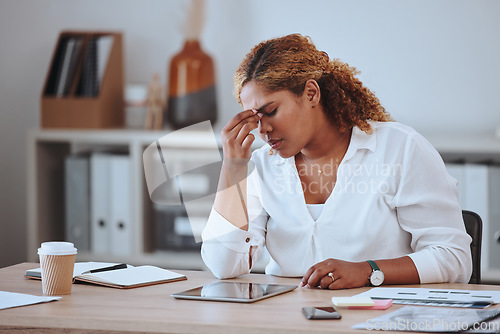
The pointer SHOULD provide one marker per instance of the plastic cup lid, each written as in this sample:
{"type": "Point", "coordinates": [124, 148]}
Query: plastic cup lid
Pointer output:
{"type": "Point", "coordinates": [57, 248]}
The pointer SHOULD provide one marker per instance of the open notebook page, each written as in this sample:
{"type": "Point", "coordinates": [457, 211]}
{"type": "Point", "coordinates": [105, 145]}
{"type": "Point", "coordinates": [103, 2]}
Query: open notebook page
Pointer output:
{"type": "Point", "coordinates": [133, 276]}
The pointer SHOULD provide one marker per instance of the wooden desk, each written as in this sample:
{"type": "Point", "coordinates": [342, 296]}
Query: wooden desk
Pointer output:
{"type": "Point", "coordinates": [151, 309]}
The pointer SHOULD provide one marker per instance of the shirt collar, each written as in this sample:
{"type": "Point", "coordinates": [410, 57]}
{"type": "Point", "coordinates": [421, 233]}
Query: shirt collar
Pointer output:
{"type": "Point", "coordinates": [278, 160]}
{"type": "Point", "coordinates": [359, 140]}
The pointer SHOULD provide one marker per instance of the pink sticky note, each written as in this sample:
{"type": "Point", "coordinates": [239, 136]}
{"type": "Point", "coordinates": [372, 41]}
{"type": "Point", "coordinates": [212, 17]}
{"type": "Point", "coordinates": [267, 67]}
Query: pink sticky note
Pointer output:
{"type": "Point", "coordinates": [380, 304]}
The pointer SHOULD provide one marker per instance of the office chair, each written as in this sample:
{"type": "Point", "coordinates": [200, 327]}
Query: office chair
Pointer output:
{"type": "Point", "coordinates": [474, 227]}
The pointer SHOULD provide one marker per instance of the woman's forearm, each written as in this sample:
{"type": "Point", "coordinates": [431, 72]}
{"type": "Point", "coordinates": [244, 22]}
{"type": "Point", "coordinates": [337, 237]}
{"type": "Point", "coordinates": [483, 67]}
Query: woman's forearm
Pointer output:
{"type": "Point", "coordinates": [231, 198]}
{"type": "Point", "coordinates": [401, 270]}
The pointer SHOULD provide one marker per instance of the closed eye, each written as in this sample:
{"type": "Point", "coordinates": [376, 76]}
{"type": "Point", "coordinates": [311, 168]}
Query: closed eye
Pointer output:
{"type": "Point", "coordinates": [272, 113]}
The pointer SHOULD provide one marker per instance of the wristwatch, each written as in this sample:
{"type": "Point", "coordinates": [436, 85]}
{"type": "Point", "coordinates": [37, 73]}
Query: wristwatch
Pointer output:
{"type": "Point", "coordinates": [377, 276]}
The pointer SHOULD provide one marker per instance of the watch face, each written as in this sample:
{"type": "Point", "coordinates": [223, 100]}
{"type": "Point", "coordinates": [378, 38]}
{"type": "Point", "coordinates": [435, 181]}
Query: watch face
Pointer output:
{"type": "Point", "coordinates": [377, 278]}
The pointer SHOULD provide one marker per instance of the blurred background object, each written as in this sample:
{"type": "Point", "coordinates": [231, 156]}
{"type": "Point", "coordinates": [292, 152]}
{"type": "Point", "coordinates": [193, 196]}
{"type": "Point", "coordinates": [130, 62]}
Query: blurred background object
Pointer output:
{"type": "Point", "coordinates": [191, 92]}
{"type": "Point", "coordinates": [135, 105]}
{"type": "Point", "coordinates": [155, 104]}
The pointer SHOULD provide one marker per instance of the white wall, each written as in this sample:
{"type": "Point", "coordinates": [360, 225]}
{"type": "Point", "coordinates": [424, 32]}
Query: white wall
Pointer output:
{"type": "Point", "coordinates": [433, 63]}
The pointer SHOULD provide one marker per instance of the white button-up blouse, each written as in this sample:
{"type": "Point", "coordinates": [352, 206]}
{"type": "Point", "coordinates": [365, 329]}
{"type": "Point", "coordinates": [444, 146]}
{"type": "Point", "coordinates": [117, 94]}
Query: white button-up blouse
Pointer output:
{"type": "Point", "coordinates": [393, 197]}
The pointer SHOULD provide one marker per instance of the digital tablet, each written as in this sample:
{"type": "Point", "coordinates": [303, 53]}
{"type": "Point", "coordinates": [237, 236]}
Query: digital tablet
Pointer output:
{"type": "Point", "coordinates": [238, 292]}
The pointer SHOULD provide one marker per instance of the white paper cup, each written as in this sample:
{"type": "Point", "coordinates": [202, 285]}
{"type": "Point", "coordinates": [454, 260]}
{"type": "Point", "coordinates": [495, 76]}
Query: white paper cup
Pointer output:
{"type": "Point", "coordinates": [57, 260]}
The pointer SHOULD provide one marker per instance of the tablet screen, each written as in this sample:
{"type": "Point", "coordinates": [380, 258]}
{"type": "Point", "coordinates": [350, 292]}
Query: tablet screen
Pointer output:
{"type": "Point", "coordinates": [234, 291]}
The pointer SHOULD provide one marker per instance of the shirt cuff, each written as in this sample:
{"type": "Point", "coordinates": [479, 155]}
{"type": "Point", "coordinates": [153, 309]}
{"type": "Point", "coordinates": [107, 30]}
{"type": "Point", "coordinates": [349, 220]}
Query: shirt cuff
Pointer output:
{"type": "Point", "coordinates": [427, 267]}
{"type": "Point", "coordinates": [219, 229]}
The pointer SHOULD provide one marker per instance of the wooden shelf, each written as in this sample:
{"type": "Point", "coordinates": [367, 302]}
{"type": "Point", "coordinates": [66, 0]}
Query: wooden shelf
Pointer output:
{"type": "Point", "coordinates": [465, 144]}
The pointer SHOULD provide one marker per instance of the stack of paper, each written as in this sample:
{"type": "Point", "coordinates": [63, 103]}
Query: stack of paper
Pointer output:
{"type": "Point", "coordinates": [435, 297]}
{"type": "Point", "coordinates": [12, 299]}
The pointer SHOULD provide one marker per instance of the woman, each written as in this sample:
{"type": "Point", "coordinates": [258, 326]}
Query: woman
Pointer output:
{"type": "Point", "coordinates": [341, 196]}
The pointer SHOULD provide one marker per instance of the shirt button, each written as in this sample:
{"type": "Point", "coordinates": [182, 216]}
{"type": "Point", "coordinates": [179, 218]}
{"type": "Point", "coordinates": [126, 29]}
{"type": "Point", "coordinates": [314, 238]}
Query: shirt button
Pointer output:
{"type": "Point", "coordinates": [247, 240]}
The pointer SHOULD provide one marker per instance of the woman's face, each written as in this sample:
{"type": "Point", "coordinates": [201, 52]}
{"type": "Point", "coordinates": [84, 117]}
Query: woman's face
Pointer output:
{"type": "Point", "coordinates": [285, 124]}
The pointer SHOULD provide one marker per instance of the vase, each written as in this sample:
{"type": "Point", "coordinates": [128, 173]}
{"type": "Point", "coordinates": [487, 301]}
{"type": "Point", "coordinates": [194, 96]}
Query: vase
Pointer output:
{"type": "Point", "coordinates": [191, 89]}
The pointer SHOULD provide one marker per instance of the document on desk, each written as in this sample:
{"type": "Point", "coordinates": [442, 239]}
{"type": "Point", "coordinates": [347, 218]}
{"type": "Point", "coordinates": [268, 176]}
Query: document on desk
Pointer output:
{"type": "Point", "coordinates": [431, 319]}
{"type": "Point", "coordinates": [79, 268]}
{"type": "Point", "coordinates": [13, 299]}
{"type": "Point", "coordinates": [113, 275]}
{"type": "Point", "coordinates": [435, 297]}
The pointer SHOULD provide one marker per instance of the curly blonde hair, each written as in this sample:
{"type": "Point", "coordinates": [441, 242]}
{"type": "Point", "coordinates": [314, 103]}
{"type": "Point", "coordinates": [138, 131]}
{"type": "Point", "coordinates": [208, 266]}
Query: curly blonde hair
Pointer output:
{"type": "Point", "coordinates": [288, 62]}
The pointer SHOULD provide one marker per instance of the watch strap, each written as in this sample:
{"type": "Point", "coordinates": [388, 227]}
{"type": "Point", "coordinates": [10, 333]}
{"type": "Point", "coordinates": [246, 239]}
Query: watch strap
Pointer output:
{"type": "Point", "coordinates": [373, 265]}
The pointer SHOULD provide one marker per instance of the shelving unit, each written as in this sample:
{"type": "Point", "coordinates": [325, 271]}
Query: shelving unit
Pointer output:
{"type": "Point", "coordinates": [46, 152]}
{"type": "Point", "coordinates": [475, 149]}
{"type": "Point", "coordinates": [470, 148]}
{"type": "Point", "coordinates": [48, 148]}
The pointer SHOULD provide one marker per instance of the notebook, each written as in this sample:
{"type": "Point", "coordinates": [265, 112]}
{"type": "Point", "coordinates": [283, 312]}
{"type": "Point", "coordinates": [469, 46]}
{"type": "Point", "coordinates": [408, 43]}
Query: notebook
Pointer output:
{"type": "Point", "coordinates": [130, 277]}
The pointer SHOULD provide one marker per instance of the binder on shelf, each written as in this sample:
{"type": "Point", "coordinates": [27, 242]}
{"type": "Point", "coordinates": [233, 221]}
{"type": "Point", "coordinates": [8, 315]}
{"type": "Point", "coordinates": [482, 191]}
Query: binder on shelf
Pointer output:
{"type": "Point", "coordinates": [478, 187]}
{"type": "Point", "coordinates": [77, 201]}
{"type": "Point", "coordinates": [482, 188]}
{"type": "Point", "coordinates": [55, 68]}
{"type": "Point", "coordinates": [88, 85]}
{"type": "Point", "coordinates": [111, 231]}
{"type": "Point", "coordinates": [100, 190]}
{"type": "Point", "coordinates": [67, 69]}
{"type": "Point", "coordinates": [494, 226]}
{"type": "Point", "coordinates": [84, 85]}
{"type": "Point", "coordinates": [104, 46]}
{"type": "Point", "coordinates": [120, 205]}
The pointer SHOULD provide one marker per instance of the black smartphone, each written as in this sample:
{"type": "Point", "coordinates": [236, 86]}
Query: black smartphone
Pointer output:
{"type": "Point", "coordinates": [327, 312]}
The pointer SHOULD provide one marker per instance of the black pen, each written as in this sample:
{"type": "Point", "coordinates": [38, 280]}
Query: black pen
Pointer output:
{"type": "Point", "coordinates": [115, 267]}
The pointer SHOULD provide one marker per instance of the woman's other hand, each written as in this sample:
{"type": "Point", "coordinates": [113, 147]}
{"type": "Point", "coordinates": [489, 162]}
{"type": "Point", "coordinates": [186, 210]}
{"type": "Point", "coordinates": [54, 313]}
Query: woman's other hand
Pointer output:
{"type": "Point", "coordinates": [344, 275]}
